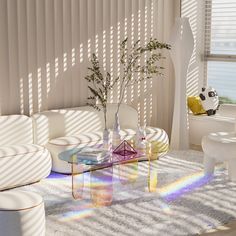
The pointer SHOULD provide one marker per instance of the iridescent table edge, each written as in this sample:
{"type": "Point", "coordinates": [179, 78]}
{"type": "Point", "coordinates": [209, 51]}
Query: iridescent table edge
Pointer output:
{"type": "Point", "coordinates": [71, 157]}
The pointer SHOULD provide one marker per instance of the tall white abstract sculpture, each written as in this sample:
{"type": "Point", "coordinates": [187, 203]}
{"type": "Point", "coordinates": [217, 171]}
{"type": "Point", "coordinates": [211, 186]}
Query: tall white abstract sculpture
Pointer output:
{"type": "Point", "coordinates": [182, 42]}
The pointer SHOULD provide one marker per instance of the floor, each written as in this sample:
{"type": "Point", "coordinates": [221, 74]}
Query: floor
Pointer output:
{"type": "Point", "coordinates": [226, 230]}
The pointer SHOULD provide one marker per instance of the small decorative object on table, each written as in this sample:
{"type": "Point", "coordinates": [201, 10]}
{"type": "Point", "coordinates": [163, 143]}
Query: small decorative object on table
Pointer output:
{"type": "Point", "coordinates": [124, 149]}
{"type": "Point", "coordinates": [91, 155]}
{"type": "Point", "coordinates": [140, 142]}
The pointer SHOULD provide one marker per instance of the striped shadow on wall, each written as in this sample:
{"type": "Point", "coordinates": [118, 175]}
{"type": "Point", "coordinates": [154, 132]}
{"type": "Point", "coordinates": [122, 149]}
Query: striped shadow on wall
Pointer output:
{"type": "Point", "coordinates": [45, 46]}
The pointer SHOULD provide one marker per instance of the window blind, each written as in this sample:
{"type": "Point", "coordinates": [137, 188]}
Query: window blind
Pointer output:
{"type": "Point", "coordinates": [220, 47]}
{"type": "Point", "coordinates": [220, 33]}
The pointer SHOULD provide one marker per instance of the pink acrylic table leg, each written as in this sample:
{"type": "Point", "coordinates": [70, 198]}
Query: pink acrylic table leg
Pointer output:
{"type": "Point", "coordinates": [128, 172]}
{"type": "Point", "coordinates": [77, 180]}
{"type": "Point", "coordinates": [152, 176]}
{"type": "Point", "coordinates": [101, 186]}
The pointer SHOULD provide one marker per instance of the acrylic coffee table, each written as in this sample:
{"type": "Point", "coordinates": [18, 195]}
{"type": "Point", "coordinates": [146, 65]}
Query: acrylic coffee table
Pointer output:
{"type": "Point", "coordinates": [102, 174]}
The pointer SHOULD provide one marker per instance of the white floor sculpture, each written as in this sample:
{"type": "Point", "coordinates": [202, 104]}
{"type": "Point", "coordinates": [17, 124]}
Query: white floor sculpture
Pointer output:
{"type": "Point", "coordinates": [182, 42]}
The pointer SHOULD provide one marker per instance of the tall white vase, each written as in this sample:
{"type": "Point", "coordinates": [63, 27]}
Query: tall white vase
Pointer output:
{"type": "Point", "coordinates": [106, 139]}
{"type": "Point", "coordinates": [182, 42]}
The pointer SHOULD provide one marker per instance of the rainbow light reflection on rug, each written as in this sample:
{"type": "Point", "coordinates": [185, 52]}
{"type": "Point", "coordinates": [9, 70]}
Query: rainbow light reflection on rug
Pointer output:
{"type": "Point", "coordinates": [55, 175]}
{"type": "Point", "coordinates": [77, 213]}
{"type": "Point", "coordinates": [57, 178]}
{"type": "Point", "coordinates": [166, 208]}
{"type": "Point", "coordinates": [184, 185]}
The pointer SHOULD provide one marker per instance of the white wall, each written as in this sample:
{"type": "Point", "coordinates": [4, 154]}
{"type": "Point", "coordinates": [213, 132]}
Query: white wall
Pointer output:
{"type": "Point", "coordinates": [45, 46]}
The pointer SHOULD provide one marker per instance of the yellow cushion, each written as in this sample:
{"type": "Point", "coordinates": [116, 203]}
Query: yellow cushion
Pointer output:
{"type": "Point", "coordinates": [195, 105]}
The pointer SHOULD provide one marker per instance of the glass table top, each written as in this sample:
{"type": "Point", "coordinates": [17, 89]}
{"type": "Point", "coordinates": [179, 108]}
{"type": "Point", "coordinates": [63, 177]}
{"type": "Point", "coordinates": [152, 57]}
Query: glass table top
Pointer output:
{"type": "Point", "coordinates": [106, 174]}
{"type": "Point", "coordinates": [73, 156]}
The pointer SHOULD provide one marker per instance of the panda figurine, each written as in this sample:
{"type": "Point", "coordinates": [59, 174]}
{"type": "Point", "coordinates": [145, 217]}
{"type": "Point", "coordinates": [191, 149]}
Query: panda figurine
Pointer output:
{"type": "Point", "coordinates": [209, 100]}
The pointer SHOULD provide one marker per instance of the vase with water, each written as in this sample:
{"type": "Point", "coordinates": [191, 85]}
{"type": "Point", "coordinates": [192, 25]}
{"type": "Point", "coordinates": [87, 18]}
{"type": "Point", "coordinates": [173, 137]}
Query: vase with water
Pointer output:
{"type": "Point", "coordinates": [116, 137]}
{"type": "Point", "coordinates": [106, 139]}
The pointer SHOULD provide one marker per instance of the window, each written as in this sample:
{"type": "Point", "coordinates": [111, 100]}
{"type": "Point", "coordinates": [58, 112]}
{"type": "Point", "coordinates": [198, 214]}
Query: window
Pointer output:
{"type": "Point", "coordinates": [220, 47]}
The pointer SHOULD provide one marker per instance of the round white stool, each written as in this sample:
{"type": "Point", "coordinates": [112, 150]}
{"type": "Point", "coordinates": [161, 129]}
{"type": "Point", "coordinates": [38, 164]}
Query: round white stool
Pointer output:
{"type": "Point", "coordinates": [21, 214]}
{"type": "Point", "coordinates": [220, 147]}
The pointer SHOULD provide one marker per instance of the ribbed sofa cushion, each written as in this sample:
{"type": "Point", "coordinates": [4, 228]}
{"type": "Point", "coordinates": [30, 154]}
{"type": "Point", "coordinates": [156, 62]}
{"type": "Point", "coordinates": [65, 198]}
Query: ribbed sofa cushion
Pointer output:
{"type": "Point", "coordinates": [52, 124]}
{"type": "Point", "coordinates": [14, 150]}
{"type": "Point", "coordinates": [23, 164]}
{"type": "Point", "coordinates": [58, 145]}
{"type": "Point", "coordinates": [86, 138]}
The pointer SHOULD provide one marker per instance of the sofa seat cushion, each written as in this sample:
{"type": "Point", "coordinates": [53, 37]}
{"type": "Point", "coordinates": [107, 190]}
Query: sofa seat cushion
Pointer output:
{"type": "Point", "coordinates": [87, 138]}
{"type": "Point", "coordinates": [77, 139]}
{"type": "Point", "coordinates": [61, 144]}
{"type": "Point", "coordinates": [14, 150]}
{"type": "Point", "coordinates": [23, 164]}
{"type": "Point", "coordinates": [153, 134]}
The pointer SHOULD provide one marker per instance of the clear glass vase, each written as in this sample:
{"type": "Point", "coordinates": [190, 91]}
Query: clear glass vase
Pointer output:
{"type": "Point", "coordinates": [116, 138]}
{"type": "Point", "coordinates": [106, 139]}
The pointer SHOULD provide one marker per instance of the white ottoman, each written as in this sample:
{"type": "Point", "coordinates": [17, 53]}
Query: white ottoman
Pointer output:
{"type": "Point", "coordinates": [21, 214]}
{"type": "Point", "coordinates": [220, 147]}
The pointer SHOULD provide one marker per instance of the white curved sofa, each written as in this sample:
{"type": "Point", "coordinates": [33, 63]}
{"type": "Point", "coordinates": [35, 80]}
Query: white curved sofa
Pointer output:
{"type": "Point", "coordinates": [21, 161]}
{"type": "Point", "coordinates": [63, 129]}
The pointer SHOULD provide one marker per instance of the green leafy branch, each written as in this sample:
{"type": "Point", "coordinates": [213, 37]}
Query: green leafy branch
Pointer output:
{"type": "Point", "coordinates": [135, 72]}
{"type": "Point", "coordinates": [99, 86]}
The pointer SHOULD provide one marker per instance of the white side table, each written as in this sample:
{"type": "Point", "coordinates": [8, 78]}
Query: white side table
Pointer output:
{"type": "Point", "coordinates": [220, 147]}
{"type": "Point", "coordinates": [21, 214]}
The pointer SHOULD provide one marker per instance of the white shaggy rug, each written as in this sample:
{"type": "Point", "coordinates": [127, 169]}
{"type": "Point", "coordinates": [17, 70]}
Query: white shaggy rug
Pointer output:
{"type": "Point", "coordinates": [186, 202]}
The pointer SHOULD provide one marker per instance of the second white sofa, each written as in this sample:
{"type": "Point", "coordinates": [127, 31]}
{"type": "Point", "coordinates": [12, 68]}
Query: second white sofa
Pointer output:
{"type": "Point", "coordinates": [63, 129]}
{"type": "Point", "coordinates": [21, 161]}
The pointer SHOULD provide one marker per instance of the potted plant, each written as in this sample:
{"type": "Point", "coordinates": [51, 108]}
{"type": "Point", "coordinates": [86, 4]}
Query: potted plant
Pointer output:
{"type": "Point", "coordinates": [134, 72]}
{"type": "Point", "coordinates": [99, 87]}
